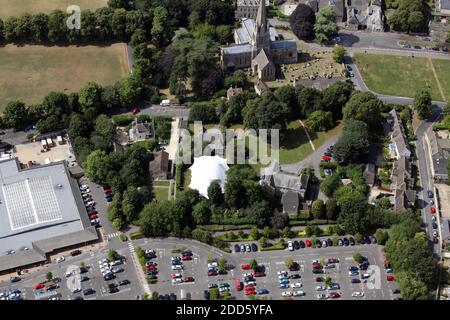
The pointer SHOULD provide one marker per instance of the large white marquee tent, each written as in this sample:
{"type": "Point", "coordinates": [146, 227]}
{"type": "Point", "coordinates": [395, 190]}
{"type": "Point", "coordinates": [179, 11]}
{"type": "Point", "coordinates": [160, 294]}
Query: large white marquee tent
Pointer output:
{"type": "Point", "coordinates": [205, 170]}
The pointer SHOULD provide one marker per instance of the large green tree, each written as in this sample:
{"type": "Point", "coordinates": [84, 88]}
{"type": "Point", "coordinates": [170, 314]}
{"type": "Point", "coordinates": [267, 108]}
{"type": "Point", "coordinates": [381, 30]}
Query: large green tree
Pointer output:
{"type": "Point", "coordinates": [364, 106]}
{"type": "Point", "coordinates": [15, 114]}
{"type": "Point", "coordinates": [302, 21]}
{"type": "Point", "coordinates": [325, 26]}
{"type": "Point", "coordinates": [422, 104]}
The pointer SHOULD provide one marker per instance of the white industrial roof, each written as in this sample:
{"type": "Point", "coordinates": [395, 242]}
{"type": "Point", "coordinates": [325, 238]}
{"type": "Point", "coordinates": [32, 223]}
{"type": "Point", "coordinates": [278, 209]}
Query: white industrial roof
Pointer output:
{"type": "Point", "coordinates": [205, 170]}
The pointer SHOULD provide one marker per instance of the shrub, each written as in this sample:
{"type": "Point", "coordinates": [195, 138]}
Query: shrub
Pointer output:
{"type": "Point", "coordinates": [122, 120]}
{"type": "Point", "coordinates": [136, 235]}
{"type": "Point", "coordinates": [123, 237]}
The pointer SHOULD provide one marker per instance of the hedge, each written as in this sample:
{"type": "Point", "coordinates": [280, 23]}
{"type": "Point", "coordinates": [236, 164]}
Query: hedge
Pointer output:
{"type": "Point", "coordinates": [232, 221]}
{"type": "Point", "coordinates": [136, 235]}
{"type": "Point", "coordinates": [303, 215]}
{"type": "Point", "coordinates": [123, 237]}
{"type": "Point", "coordinates": [122, 120]}
{"type": "Point", "coordinates": [328, 165]}
{"type": "Point", "coordinates": [225, 227]}
{"type": "Point", "coordinates": [271, 248]}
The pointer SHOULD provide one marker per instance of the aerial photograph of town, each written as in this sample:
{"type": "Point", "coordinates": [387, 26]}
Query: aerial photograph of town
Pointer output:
{"type": "Point", "coordinates": [242, 151]}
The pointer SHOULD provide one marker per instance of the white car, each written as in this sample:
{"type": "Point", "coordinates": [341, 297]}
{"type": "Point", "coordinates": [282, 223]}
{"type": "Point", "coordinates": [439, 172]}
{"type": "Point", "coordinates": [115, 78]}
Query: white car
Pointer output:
{"type": "Point", "coordinates": [95, 220]}
{"type": "Point", "coordinates": [177, 280]}
{"type": "Point", "coordinates": [213, 265]}
{"type": "Point", "coordinates": [90, 203]}
{"type": "Point", "coordinates": [322, 296]}
{"type": "Point", "coordinates": [296, 285]}
{"type": "Point", "coordinates": [60, 259]}
{"type": "Point", "coordinates": [14, 295]}
{"type": "Point", "coordinates": [320, 288]}
{"type": "Point", "coordinates": [76, 290]}
{"type": "Point", "coordinates": [103, 261]}
{"type": "Point", "coordinates": [115, 263]}
{"type": "Point", "coordinates": [315, 261]}
{"type": "Point", "coordinates": [299, 293]}
{"type": "Point", "coordinates": [286, 294]}
{"type": "Point", "coordinates": [68, 274]}
{"type": "Point", "coordinates": [177, 267]}
{"type": "Point", "coordinates": [290, 246]}
{"type": "Point", "coordinates": [172, 259]}
{"type": "Point", "coordinates": [358, 294]}
{"type": "Point", "coordinates": [282, 276]}
{"type": "Point", "coordinates": [282, 273]}
{"type": "Point", "coordinates": [435, 234]}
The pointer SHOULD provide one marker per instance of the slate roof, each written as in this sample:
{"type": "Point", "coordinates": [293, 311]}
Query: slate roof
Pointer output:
{"type": "Point", "coordinates": [290, 201]}
{"type": "Point", "coordinates": [238, 49]}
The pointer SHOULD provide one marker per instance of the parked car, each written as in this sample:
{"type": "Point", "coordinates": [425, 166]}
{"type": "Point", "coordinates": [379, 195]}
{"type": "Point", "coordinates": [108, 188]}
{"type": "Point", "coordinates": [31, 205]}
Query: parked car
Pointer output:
{"type": "Point", "coordinates": [390, 278]}
{"type": "Point", "coordinates": [237, 248]}
{"type": "Point", "coordinates": [135, 110]}
{"type": "Point", "coordinates": [254, 247]}
{"type": "Point", "coordinates": [247, 248]}
{"type": "Point", "coordinates": [355, 280]}
{"type": "Point", "coordinates": [245, 266]}
{"type": "Point", "coordinates": [88, 291]}
{"type": "Point", "coordinates": [308, 243]}
{"type": "Point", "coordinates": [301, 244]}
{"type": "Point", "coordinates": [15, 279]}
{"type": "Point", "coordinates": [60, 259]}
{"type": "Point", "coordinates": [430, 194]}
{"type": "Point", "coordinates": [432, 210]}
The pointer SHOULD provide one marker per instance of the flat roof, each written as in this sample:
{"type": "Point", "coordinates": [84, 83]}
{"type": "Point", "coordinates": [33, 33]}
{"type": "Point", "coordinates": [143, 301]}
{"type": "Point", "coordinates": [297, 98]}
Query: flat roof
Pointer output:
{"type": "Point", "coordinates": [41, 209]}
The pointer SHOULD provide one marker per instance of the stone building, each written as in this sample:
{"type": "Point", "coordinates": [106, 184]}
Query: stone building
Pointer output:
{"type": "Point", "coordinates": [258, 47]}
{"type": "Point", "coordinates": [248, 8]}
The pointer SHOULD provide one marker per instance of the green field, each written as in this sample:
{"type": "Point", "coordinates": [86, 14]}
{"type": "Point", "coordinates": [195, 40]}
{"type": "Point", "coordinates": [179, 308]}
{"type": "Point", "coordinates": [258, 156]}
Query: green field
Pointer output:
{"type": "Point", "coordinates": [161, 193]}
{"type": "Point", "coordinates": [30, 72]}
{"type": "Point", "coordinates": [17, 7]}
{"type": "Point", "coordinates": [442, 68]}
{"type": "Point", "coordinates": [402, 76]}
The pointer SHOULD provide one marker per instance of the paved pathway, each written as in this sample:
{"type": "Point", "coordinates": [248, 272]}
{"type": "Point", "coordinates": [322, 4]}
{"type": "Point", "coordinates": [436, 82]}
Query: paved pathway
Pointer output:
{"type": "Point", "coordinates": [307, 134]}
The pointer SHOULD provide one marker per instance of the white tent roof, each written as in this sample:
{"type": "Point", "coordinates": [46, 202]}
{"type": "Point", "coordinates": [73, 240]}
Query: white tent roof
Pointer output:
{"type": "Point", "coordinates": [205, 170]}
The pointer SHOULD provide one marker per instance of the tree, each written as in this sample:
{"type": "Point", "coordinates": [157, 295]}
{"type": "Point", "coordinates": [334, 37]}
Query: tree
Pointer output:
{"type": "Point", "coordinates": [96, 166]}
{"type": "Point", "coordinates": [302, 21]}
{"type": "Point", "coordinates": [49, 276]}
{"type": "Point", "coordinates": [381, 236]}
{"type": "Point", "coordinates": [353, 145]}
{"type": "Point", "coordinates": [254, 233]}
{"type": "Point", "coordinates": [39, 27]}
{"type": "Point", "coordinates": [289, 262]}
{"type": "Point", "coordinates": [411, 15]}
{"type": "Point", "coordinates": [201, 212]}
{"type": "Point", "coordinates": [358, 237]}
{"type": "Point", "coordinates": [339, 53]}
{"type": "Point", "coordinates": [262, 212]}
{"type": "Point", "coordinates": [127, 91]}
{"type": "Point", "coordinates": [253, 264]}
{"type": "Point", "coordinates": [353, 217]}
{"type": "Point", "coordinates": [410, 287]}
{"type": "Point", "coordinates": [320, 121]}
{"type": "Point", "coordinates": [223, 264]}
{"type": "Point", "coordinates": [265, 112]}
{"type": "Point", "coordinates": [15, 114]}
{"type": "Point", "coordinates": [113, 255]}
{"type": "Point", "coordinates": [358, 257]}
{"type": "Point", "coordinates": [335, 97]}
{"type": "Point", "coordinates": [262, 242]}
{"type": "Point", "coordinates": [238, 79]}
{"type": "Point", "coordinates": [234, 193]}
{"type": "Point", "coordinates": [215, 193]}
{"type": "Point", "coordinates": [422, 104]}
{"type": "Point", "coordinates": [133, 202]}
{"type": "Point", "coordinates": [325, 26]}
{"type": "Point", "coordinates": [202, 112]}
{"type": "Point", "coordinates": [57, 26]}
{"type": "Point", "coordinates": [318, 209]}
{"type": "Point", "coordinates": [280, 220]}
{"type": "Point", "coordinates": [90, 96]}
{"type": "Point", "coordinates": [330, 184]}
{"type": "Point", "coordinates": [332, 209]}
{"type": "Point", "coordinates": [327, 280]}
{"type": "Point", "coordinates": [364, 106]}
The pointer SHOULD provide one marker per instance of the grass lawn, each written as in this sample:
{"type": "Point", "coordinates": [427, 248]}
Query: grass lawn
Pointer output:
{"type": "Point", "coordinates": [31, 72]}
{"type": "Point", "coordinates": [161, 183]}
{"type": "Point", "coordinates": [398, 75]}
{"type": "Point", "coordinates": [442, 68]}
{"type": "Point", "coordinates": [17, 7]}
{"type": "Point", "coordinates": [161, 193]}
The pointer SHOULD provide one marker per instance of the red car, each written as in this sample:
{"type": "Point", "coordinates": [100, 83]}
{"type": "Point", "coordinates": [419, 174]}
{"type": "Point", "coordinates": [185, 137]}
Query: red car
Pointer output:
{"type": "Point", "coordinates": [390, 278]}
{"type": "Point", "coordinates": [333, 260]}
{"type": "Point", "coordinates": [245, 266]}
{"type": "Point", "coordinates": [317, 266]}
{"type": "Point", "coordinates": [108, 190]}
{"type": "Point", "coordinates": [432, 209]}
{"type": "Point", "coordinates": [308, 243]}
{"type": "Point", "coordinates": [259, 274]}
{"type": "Point", "coordinates": [253, 292]}
{"type": "Point", "coordinates": [186, 258]}
{"type": "Point", "coordinates": [176, 275]}
{"type": "Point", "coordinates": [334, 295]}
{"type": "Point", "coordinates": [188, 279]}
{"type": "Point", "coordinates": [152, 268]}
{"type": "Point", "coordinates": [93, 216]}
{"type": "Point", "coordinates": [136, 110]}
{"type": "Point", "coordinates": [212, 273]}
{"type": "Point", "coordinates": [326, 158]}
{"type": "Point", "coordinates": [238, 284]}
{"type": "Point", "coordinates": [38, 286]}
{"type": "Point", "coordinates": [249, 287]}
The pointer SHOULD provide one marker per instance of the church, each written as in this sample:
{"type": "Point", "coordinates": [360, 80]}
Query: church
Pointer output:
{"type": "Point", "coordinates": [259, 47]}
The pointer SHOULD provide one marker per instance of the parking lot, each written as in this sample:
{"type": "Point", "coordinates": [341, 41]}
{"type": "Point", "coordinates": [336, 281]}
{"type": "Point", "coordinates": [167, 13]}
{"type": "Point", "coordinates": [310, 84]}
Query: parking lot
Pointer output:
{"type": "Point", "coordinates": [67, 284]}
{"type": "Point", "coordinates": [377, 289]}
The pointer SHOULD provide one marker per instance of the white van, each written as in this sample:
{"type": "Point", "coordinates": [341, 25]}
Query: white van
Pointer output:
{"type": "Point", "coordinates": [165, 103]}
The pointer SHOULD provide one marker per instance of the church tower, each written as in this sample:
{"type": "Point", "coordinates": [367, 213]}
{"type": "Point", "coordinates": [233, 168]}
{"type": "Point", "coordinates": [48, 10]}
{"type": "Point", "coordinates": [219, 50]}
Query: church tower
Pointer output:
{"type": "Point", "coordinates": [261, 37]}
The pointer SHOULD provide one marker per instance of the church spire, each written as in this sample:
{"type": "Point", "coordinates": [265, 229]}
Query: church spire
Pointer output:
{"type": "Point", "coordinates": [261, 18]}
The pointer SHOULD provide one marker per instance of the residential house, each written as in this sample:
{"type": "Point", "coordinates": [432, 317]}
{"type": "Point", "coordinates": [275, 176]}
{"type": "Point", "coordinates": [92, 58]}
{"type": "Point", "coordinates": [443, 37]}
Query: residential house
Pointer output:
{"type": "Point", "coordinates": [140, 131]}
{"type": "Point", "coordinates": [370, 174]}
{"type": "Point", "coordinates": [231, 92]}
{"type": "Point", "coordinates": [440, 24]}
{"type": "Point", "coordinates": [280, 182]}
{"type": "Point", "coordinates": [159, 167]}
{"type": "Point", "coordinates": [364, 15]}
{"type": "Point", "coordinates": [400, 144]}
{"type": "Point", "coordinates": [402, 184]}
{"type": "Point", "coordinates": [438, 155]}
{"type": "Point", "coordinates": [247, 8]}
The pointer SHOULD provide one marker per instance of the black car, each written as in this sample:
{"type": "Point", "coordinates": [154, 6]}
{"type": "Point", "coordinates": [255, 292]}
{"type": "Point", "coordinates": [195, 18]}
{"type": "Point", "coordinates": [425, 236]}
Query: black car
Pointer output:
{"type": "Point", "coordinates": [206, 295]}
{"type": "Point", "coordinates": [124, 282]}
{"type": "Point", "coordinates": [302, 244]}
{"type": "Point", "coordinates": [108, 277]}
{"type": "Point", "coordinates": [187, 253]}
{"type": "Point", "coordinates": [254, 247]}
{"type": "Point", "coordinates": [78, 298]}
{"type": "Point", "coordinates": [166, 296]}
{"type": "Point", "coordinates": [212, 286]}
{"type": "Point", "coordinates": [152, 272]}
{"type": "Point", "coordinates": [15, 279]}
{"type": "Point", "coordinates": [88, 291]}
{"type": "Point", "coordinates": [75, 253]}
{"type": "Point", "coordinates": [83, 270]}
{"type": "Point", "coordinates": [329, 242]}
{"type": "Point", "coordinates": [346, 242]}
{"type": "Point", "coordinates": [318, 244]}
{"type": "Point", "coordinates": [113, 288]}
{"type": "Point", "coordinates": [295, 276]}
{"type": "Point", "coordinates": [395, 291]}
{"type": "Point", "coordinates": [317, 271]}
{"type": "Point", "coordinates": [352, 241]}
{"type": "Point", "coordinates": [319, 279]}
{"type": "Point", "coordinates": [294, 267]}
{"type": "Point", "coordinates": [296, 245]}
{"type": "Point", "coordinates": [430, 194]}
{"type": "Point", "coordinates": [173, 296]}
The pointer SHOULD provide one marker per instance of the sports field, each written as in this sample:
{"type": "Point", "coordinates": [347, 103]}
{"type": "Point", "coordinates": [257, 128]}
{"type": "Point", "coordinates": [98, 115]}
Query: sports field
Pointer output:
{"type": "Point", "coordinates": [31, 72]}
{"type": "Point", "coordinates": [17, 7]}
{"type": "Point", "coordinates": [404, 76]}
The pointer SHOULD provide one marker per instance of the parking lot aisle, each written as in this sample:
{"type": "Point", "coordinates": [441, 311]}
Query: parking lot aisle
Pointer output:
{"type": "Point", "coordinates": [139, 270]}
